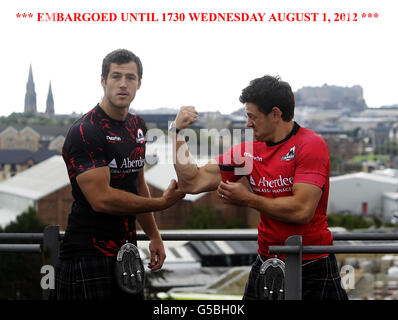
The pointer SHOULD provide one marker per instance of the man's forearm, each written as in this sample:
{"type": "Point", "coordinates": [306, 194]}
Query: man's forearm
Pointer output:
{"type": "Point", "coordinates": [147, 220]}
{"type": "Point", "coordinates": [184, 164]}
{"type": "Point", "coordinates": [148, 224]}
{"type": "Point", "coordinates": [285, 209]}
{"type": "Point", "coordinates": [121, 202]}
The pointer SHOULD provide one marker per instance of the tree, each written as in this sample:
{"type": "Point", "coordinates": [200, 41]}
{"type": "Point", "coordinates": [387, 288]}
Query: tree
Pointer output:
{"type": "Point", "coordinates": [201, 218]}
{"type": "Point", "coordinates": [20, 272]}
{"type": "Point", "coordinates": [349, 222]}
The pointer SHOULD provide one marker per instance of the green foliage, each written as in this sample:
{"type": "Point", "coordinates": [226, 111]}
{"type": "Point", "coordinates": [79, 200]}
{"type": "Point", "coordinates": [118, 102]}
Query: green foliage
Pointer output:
{"type": "Point", "coordinates": [349, 222]}
{"type": "Point", "coordinates": [27, 222]}
{"type": "Point", "coordinates": [371, 157]}
{"type": "Point", "coordinates": [377, 222]}
{"type": "Point", "coordinates": [29, 118]}
{"type": "Point", "coordinates": [336, 164]}
{"type": "Point", "coordinates": [203, 217]}
{"type": "Point", "coordinates": [234, 223]}
{"type": "Point", "coordinates": [20, 272]}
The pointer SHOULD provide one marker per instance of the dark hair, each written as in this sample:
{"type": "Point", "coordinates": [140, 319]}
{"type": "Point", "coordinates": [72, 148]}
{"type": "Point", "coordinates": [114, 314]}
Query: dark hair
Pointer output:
{"type": "Point", "coordinates": [120, 56]}
{"type": "Point", "coordinates": [268, 92]}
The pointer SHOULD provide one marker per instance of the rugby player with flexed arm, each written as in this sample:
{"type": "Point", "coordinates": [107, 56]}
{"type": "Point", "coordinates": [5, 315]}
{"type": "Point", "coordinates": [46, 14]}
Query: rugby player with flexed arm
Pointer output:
{"type": "Point", "coordinates": [288, 169]}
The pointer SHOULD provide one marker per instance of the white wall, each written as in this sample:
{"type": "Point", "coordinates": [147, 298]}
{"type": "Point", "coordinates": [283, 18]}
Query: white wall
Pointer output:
{"type": "Point", "coordinates": [347, 193]}
{"type": "Point", "coordinates": [390, 206]}
{"type": "Point", "coordinates": [15, 203]}
{"type": "Point", "coordinates": [11, 206]}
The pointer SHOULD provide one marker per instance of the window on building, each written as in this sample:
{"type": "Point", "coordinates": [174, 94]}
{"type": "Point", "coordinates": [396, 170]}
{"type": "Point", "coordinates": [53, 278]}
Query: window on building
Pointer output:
{"type": "Point", "coordinates": [13, 170]}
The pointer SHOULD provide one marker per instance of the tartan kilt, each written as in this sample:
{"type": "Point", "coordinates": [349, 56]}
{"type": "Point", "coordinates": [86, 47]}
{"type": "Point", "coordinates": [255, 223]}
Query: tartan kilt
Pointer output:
{"type": "Point", "coordinates": [320, 280]}
{"type": "Point", "coordinates": [88, 278]}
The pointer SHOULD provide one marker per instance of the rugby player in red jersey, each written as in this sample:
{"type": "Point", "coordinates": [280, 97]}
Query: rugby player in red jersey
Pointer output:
{"type": "Point", "coordinates": [287, 167]}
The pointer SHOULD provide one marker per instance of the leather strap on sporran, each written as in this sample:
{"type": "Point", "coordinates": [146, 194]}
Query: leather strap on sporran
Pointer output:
{"type": "Point", "coordinates": [271, 281]}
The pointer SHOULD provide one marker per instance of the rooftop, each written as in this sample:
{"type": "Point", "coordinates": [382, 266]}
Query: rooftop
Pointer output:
{"type": "Point", "coordinates": [21, 156]}
{"type": "Point", "coordinates": [366, 176]}
{"type": "Point", "coordinates": [39, 180]}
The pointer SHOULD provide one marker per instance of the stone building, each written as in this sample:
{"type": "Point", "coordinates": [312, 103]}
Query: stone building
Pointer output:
{"type": "Point", "coordinates": [25, 138]}
{"type": "Point", "coordinates": [32, 137]}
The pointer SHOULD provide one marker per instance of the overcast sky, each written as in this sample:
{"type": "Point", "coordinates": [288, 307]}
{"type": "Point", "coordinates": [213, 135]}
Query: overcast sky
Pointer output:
{"type": "Point", "coordinates": [204, 64]}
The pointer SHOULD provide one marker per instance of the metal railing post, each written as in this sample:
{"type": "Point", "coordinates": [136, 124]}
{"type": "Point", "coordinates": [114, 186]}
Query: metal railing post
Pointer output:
{"type": "Point", "coordinates": [293, 269]}
{"type": "Point", "coordinates": [50, 250]}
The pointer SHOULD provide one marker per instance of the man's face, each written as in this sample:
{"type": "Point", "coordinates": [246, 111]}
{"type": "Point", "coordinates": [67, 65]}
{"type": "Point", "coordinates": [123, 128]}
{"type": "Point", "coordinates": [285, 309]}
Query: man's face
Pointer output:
{"type": "Point", "coordinates": [262, 125]}
{"type": "Point", "coordinates": [121, 84]}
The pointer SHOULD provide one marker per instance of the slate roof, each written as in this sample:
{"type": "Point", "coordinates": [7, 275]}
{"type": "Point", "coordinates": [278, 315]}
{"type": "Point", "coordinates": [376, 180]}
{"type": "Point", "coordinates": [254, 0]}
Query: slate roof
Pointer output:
{"type": "Point", "coordinates": [40, 129]}
{"type": "Point", "coordinates": [21, 156]}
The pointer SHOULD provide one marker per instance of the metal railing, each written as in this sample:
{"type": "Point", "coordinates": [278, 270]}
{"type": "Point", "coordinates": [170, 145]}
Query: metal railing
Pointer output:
{"type": "Point", "coordinates": [293, 248]}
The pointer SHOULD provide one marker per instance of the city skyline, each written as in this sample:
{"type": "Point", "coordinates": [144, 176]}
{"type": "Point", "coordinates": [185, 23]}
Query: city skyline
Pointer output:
{"type": "Point", "coordinates": [30, 98]}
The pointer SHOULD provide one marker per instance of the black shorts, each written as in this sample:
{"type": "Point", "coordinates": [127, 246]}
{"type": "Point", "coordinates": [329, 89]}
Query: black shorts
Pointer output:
{"type": "Point", "coordinates": [88, 278]}
{"type": "Point", "coordinates": [320, 280]}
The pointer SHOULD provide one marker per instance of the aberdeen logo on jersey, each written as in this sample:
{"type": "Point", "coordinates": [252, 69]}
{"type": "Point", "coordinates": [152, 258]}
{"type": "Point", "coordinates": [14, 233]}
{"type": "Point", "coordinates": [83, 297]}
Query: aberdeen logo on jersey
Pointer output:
{"type": "Point", "coordinates": [290, 155]}
{"type": "Point", "coordinates": [140, 136]}
{"type": "Point", "coordinates": [112, 164]}
{"type": "Point", "coordinates": [127, 163]}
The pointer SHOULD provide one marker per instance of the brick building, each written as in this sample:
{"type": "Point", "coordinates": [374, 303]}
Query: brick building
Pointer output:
{"type": "Point", "coordinates": [158, 178]}
{"type": "Point", "coordinates": [46, 188]}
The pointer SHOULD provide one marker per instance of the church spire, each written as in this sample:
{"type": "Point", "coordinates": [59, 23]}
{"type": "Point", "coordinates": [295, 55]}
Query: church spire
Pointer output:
{"type": "Point", "coordinates": [50, 102]}
{"type": "Point", "coordinates": [30, 96]}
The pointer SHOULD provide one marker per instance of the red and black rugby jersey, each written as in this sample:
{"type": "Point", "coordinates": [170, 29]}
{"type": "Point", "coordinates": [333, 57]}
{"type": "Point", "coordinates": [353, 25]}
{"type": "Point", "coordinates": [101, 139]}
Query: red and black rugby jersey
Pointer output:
{"type": "Point", "coordinates": [303, 156]}
{"type": "Point", "coordinates": [93, 141]}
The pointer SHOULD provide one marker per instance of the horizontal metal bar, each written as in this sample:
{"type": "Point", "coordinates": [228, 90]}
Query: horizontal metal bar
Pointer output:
{"type": "Point", "coordinates": [185, 236]}
{"type": "Point", "coordinates": [334, 249]}
{"type": "Point", "coordinates": [365, 236]}
{"type": "Point", "coordinates": [27, 248]}
{"type": "Point", "coordinates": [189, 235]}
{"type": "Point", "coordinates": [21, 236]}
{"type": "Point", "coordinates": [284, 249]}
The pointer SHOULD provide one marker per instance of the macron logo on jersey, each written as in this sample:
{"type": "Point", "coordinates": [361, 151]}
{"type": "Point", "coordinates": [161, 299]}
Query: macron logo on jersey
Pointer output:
{"type": "Point", "coordinates": [247, 154]}
{"type": "Point", "coordinates": [290, 155]}
{"type": "Point", "coordinates": [114, 138]}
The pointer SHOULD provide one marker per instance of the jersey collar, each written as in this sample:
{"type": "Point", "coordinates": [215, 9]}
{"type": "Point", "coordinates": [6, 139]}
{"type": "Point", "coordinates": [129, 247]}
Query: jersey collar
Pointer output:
{"type": "Point", "coordinates": [294, 131]}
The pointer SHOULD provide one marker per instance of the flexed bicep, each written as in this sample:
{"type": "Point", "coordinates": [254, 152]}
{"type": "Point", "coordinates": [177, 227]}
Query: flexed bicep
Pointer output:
{"type": "Point", "coordinates": [207, 178]}
{"type": "Point", "coordinates": [94, 184]}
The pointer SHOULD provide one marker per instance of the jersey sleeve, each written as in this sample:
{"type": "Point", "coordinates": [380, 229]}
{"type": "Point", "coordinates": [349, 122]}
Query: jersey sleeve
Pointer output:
{"type": "Point", "coordinates": [313, 163]}
{"type": "Point", "coordinates": [84, 149]}
{"type": "Point", "coordinates": [232, 163]}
